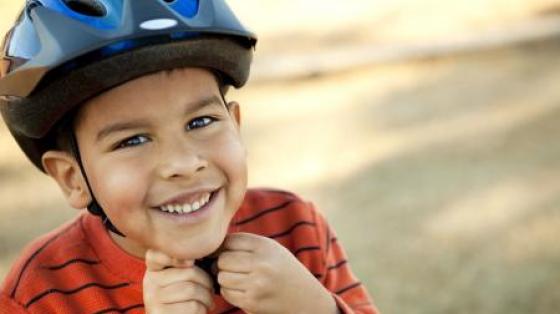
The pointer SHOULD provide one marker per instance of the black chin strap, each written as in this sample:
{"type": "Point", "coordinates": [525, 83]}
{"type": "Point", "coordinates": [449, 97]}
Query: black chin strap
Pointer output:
{"type": "Point", "coordinates": [93, 207]}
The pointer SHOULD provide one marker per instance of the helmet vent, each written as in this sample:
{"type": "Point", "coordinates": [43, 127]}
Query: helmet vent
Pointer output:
{"type": "Point", "coordinates": [87, 7]}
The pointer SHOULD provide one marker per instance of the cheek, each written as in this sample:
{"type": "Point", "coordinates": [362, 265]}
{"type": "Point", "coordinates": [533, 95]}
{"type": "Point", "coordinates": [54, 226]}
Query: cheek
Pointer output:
{"type": "Point", "coordinates": [119, 187]}
{"type": "Point", "coordinates": [231, 156]}
{"type": "Point", "coordinates": [233, 161]}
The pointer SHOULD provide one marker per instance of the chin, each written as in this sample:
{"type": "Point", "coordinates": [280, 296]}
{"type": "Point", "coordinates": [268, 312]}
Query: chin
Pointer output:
{"type": "Point", "coordinates": [195, 249]}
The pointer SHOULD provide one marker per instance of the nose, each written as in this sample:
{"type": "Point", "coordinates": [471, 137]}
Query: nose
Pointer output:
{"type": "Point", "coordinates": [179, 160]}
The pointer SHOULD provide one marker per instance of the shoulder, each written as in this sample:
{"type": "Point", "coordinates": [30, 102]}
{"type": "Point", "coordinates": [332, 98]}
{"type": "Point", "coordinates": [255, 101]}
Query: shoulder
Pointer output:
{"type": "Point", "coordinates": [280, 215]}
{"type": "Point", "coordinates": [43, 261]}
{"type": "Point", "coordinates": [266, 206]}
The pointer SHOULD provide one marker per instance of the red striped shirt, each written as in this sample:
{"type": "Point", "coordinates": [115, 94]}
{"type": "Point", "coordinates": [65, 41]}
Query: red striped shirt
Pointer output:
{"type": "Point", "coordinates": [77, 268]}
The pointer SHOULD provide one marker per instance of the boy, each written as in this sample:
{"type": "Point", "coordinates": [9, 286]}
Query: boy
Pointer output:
{"type": "Point", "coordinates": [122, 104]}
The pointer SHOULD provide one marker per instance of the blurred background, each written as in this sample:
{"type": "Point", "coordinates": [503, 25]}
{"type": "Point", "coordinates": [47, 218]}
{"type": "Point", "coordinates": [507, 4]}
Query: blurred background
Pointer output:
{"type": "Point", "coordinates": [425, 130]}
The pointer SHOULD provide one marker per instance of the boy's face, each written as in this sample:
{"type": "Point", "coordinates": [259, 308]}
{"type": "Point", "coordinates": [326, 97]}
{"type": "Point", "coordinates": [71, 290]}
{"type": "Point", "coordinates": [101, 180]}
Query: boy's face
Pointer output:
{"type": "Point", "coordinates": [160, 142]}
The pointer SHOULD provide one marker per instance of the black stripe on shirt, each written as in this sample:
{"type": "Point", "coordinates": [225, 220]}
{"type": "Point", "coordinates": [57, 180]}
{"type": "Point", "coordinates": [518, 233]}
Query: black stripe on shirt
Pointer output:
{"type": "Point", "coordinates": [350, 287]}
{"type": "Point", "coordinates": [263, 212]}
{"type": "Point", "coordinates": [291, 229]}
{"type": "Point", "coordinates": [123, 310]}
{"type": "Point", "coordinates": [35, 254]}
{"type": "Point", "coordinates": [306, 248]}
{"type": "Point", "coordinates": [72, 261]}
{"type": "Point", "coordinates": [337, 265]}
{"type": "Point", "coordinates": [72, 291]}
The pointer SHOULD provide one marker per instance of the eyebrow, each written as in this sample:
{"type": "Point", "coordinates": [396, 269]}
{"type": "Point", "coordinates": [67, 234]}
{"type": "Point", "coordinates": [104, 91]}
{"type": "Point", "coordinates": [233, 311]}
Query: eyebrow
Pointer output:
{"type": "Point", "coordinates": [135, 124]}
{"type": "Point", "coordinates": [199, 104]}
{"type": "Point", "coordinates": [119, 127]}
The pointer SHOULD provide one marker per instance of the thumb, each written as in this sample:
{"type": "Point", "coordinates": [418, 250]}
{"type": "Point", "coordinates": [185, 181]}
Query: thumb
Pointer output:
{"type": "Point", "coordinates": [157, 261]}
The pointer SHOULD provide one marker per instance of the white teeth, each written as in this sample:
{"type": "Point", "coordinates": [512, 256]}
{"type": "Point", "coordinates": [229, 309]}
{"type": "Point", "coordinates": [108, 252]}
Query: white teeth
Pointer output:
{"type": "Point", "coordinates": [187, 208]}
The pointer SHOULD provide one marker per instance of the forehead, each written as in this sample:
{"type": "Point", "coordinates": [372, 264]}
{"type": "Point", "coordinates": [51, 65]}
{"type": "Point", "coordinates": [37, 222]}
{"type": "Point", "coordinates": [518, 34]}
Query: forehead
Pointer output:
{"type": "Point", "coordinates": [162, 93]}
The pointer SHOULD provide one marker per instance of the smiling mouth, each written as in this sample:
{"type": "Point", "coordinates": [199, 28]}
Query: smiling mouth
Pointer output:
{"type": "Point", "coordinates": [187, 208]}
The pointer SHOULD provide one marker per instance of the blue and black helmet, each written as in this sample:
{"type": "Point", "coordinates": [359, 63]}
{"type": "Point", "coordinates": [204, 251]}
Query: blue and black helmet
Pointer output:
{"type": "Point", "coordinates": [61, 53]}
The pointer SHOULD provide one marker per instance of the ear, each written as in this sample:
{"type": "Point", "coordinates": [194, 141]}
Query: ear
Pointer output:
{"type": "Point", "coordinates": [235, 111]}
{"type": "Point", "coordinates": [64, 169]}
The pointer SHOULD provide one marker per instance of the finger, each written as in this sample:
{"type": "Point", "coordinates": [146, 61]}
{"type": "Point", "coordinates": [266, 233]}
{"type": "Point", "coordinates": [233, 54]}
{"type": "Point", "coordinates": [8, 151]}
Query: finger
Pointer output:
{"type": "Point", "coordinates": [241, 241]}
{"type": "Point", "coordinates": [173, 275]}
{"type": "Point", "coordinates": [156, 261]}
{"type": "Point", "coordinates": [193, 307]}
{"type": "Point", "coordinates": [235, 281]}
{"type": "Point", "coordinates": [183, 292]}
{"type": "Point", "coordinates": [234, 297]}
{"type": "Point", "coordinates": [238, 262]}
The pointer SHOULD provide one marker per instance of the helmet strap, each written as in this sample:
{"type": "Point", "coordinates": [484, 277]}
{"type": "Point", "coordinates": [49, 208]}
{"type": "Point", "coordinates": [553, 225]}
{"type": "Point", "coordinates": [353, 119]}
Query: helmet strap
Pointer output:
{"type": "Point", "coordinates": [93, 207]}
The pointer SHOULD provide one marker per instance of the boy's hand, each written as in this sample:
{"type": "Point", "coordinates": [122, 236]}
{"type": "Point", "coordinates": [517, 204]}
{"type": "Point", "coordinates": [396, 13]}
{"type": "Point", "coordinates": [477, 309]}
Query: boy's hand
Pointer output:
{"type": "Point", "coordinates": [260, 276]}
{"type": "Point", "coordinates": [173, 286]}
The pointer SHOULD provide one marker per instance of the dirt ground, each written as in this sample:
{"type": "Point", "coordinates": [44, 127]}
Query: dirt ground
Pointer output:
{"type": "Point", "coordinates": [440, 176]}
